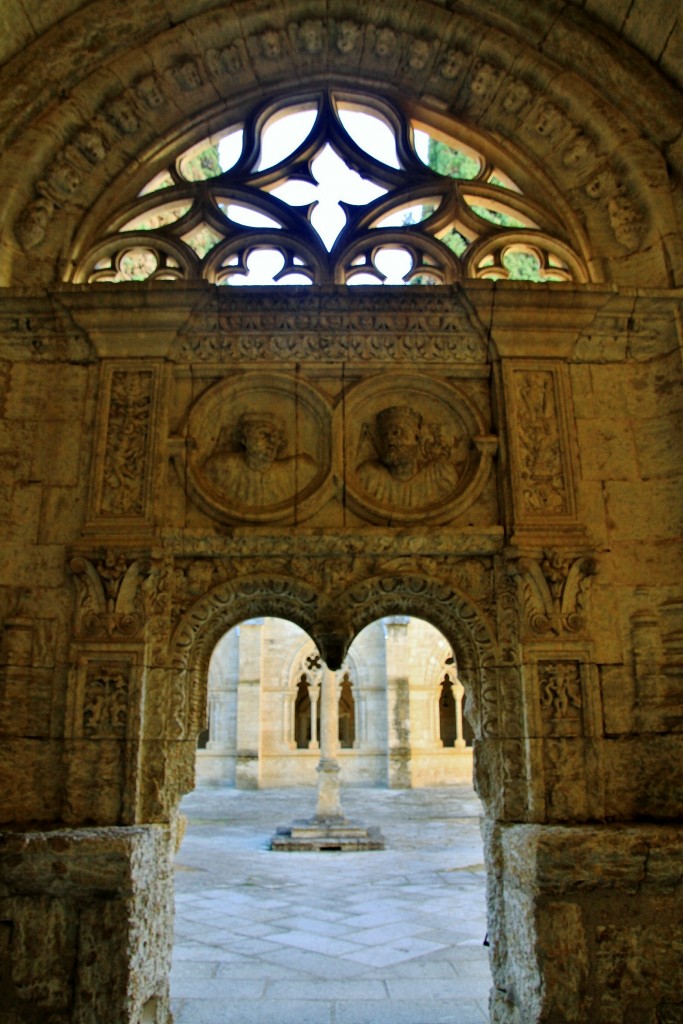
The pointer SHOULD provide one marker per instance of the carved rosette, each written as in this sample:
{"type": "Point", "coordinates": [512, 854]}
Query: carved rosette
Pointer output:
{"type": "Point", "coordinates": [413, 449]}
{"type": "Point", "coordinates": [257, 449]}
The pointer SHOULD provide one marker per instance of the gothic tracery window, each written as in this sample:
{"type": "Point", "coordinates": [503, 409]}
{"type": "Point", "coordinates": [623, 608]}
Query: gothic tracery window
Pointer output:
{"type": "Point", "coordinates": [332, 188]}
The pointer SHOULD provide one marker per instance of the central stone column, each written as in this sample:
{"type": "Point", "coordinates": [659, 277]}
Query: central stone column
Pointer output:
{"type": "Point", "coordinates": [328, 809]}
{"type": "Point", "coordinates": [328, 829]}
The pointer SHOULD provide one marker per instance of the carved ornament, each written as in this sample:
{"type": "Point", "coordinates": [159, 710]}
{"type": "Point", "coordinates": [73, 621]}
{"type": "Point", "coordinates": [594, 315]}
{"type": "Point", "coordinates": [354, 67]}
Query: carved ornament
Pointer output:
{"type": "Point", "coordinates": [110, 595]}
{"type": "Point", "coordinates": [124, 470]}
{"type": "Point", "coordinates": [554, 591]}
{"type": "Point", "coordinates": [258, 449]}
{"type": "Point", "coordinates": [414, 449]}
{"type": "Point", "coordinates": [542, 467]}
{"type": "Point", "coordinates": [560, 697]}
{"type": "Point", "coordinates": [105, 701]}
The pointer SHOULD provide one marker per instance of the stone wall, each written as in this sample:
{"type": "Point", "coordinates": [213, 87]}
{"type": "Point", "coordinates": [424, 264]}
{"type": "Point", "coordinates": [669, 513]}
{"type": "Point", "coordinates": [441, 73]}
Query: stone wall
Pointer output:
{"type": "Point", "coordinates": [551, 568]}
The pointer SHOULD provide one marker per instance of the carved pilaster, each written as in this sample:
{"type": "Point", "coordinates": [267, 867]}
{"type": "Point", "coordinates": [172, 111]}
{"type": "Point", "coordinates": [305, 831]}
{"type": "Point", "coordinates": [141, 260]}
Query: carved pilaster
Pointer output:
{"type": "Point", "coordinates": [542, 449]}
{"type": "Point", "coordinates": [121, 490]}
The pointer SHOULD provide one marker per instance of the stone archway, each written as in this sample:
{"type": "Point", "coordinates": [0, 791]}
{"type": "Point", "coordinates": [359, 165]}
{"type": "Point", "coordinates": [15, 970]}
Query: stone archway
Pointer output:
{"type": "Point", "coordinates": [332, 620]}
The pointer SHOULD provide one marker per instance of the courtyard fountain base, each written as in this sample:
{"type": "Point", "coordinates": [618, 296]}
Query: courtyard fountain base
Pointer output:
{"type": "Point", "coordinates": [332, 834]}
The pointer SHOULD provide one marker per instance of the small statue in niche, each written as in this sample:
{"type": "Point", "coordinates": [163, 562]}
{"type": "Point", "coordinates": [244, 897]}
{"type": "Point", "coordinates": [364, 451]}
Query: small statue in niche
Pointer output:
{"type": "Point", "coordinates": [249, 466]}
{"type": "Point", "coordinates": [414, 466]}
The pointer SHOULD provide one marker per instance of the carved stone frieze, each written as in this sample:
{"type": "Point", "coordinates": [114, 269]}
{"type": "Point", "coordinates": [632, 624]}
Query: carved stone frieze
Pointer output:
{"type": "Point", "coordinates": [554, 590]}
{"type": "Point", "coordinates": [110, 602]}
{"type": "Point", "coordinates": [433, 329]}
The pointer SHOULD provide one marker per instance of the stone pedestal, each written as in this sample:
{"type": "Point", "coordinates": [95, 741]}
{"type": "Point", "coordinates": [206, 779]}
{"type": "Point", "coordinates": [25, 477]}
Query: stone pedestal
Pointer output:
{"type": "Point", "coordinates": [86, 925]}
{"type": "Point", "coordinates": [586, 922]}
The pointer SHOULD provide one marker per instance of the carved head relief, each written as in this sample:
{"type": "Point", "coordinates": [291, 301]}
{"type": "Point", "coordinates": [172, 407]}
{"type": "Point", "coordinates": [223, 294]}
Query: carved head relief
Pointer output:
{"type": "Point", "coordinates": [415, 453]}
{"type": "Point", "coordinates": [259, 448]}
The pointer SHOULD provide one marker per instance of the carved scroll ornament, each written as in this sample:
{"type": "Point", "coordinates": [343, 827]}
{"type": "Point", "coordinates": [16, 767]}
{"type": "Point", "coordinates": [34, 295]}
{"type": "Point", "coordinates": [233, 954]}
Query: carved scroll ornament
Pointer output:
{"type": "Point", "coordinates": [110, 596]}
{"type": "Point", "coordinates": [554, 591]}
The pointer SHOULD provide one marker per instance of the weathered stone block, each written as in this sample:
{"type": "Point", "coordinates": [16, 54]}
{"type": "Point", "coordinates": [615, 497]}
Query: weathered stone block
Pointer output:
{"type": "Point", "coordinates": [590, 896]}
{"type": "Point", "coordinates": [87, 923]}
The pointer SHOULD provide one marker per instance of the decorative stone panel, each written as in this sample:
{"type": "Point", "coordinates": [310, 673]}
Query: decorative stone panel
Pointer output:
{"type": "Point", "coordinates": [104, 722]}
{"type": "Point", "coordinates": [258, 449]}
{"type": "Point", "coordinates": [122, 480]}
{"type": "Point", "coordinates": [412, 448]}
{"type": "Point", "coordinates": [540, 440]}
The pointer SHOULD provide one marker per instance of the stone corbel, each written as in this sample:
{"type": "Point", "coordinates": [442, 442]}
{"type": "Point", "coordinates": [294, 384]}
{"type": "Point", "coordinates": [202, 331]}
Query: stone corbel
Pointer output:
{"type": "Point", "coordinates": [110, 598]}
{"type": "Point", "coordinates": [554, 591]}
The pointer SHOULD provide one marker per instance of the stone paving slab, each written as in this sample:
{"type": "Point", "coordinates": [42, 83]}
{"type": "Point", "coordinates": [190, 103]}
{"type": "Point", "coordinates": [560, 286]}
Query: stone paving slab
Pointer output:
{"type": "Point", "coordinates": [381, 937]}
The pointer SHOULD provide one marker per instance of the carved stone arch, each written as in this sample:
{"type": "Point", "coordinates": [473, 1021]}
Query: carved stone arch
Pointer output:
{"type": "Point", "coordinates": [462, 624]}
{"type": "Point", "coordinates": [213, 615]}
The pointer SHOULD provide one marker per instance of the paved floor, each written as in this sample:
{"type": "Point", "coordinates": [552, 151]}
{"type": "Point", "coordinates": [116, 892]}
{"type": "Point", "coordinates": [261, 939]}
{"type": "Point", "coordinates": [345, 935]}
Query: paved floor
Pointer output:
{"type": "Point", "coordinates": [384, 937]}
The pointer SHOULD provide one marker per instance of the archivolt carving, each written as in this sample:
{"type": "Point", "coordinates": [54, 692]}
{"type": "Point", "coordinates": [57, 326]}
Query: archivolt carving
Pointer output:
{"type": "Point", "coordinates": [332, 621]}
{"type": "Point", "coordinates": [440, 604]}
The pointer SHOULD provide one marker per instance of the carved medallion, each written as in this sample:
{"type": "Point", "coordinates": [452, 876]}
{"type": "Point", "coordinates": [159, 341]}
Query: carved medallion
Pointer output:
{"type": "Point", "coordinates": [416, 449]}
{"type": "Point", "coordinates": [258, 449]}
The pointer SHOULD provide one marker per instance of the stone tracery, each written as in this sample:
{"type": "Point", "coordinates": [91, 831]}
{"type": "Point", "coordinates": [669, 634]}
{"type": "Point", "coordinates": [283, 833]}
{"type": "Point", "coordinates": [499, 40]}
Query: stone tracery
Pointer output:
{"type": "Point", "coordinates": [193, 219]}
